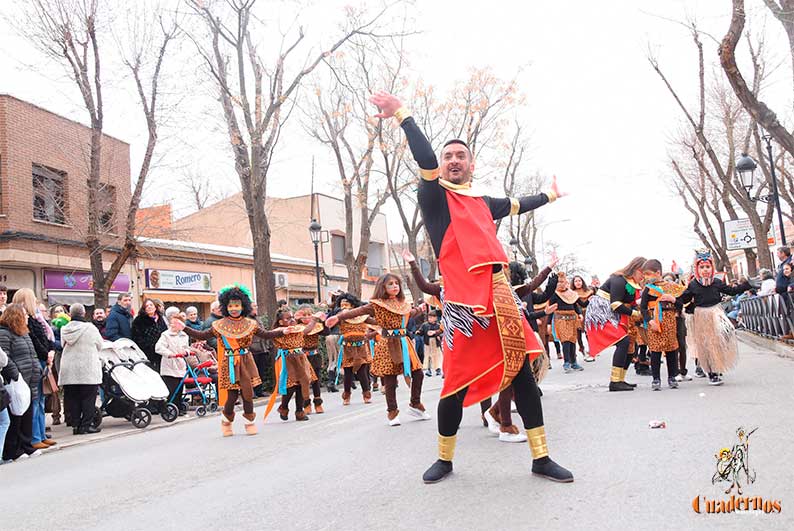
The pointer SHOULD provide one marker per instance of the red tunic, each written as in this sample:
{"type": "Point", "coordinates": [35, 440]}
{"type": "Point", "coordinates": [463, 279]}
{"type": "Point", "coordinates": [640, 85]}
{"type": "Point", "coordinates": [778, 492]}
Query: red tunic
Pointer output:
{"type": "Point", "coordinates": [489, 359]}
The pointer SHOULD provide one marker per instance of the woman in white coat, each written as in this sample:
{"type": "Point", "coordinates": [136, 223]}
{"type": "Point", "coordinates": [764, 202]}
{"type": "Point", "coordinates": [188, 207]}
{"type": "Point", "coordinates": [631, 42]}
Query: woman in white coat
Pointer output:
{"type": "Point", "coordinates": [81, 370]}
{"type": "Point", "coordinates": [173, 346]}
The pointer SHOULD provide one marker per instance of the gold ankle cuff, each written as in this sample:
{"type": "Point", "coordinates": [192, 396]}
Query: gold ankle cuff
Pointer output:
{"type": "Point", "coordinates": [617, 375]}
{"type": "Point", "coordinates": [446, 447]}
{"type": "Point", "coordinates": [623, 374]}
{"type": "Point", "coordinates": [537, 442]}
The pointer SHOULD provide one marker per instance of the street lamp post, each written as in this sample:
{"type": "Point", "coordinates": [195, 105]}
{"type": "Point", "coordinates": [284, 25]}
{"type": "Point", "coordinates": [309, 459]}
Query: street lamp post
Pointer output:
{"type": "Point", "coordinates": [745, 167]}
{"type": "Point", "coordinates": [514, 246]}
{"type": "Point", "coordinates": [315, 230]}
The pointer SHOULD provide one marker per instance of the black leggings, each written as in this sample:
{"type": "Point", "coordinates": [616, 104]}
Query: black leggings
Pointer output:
{"type": "Point", "coordinates": [299, 400]}
{"type": "Point", "coordinates": [362, 376]}
{"type": "Point", "coordinates": [579, 339]}
{"type": "Point", "coordinates": [569, 352]}
{"type": "Point", "coordinates": [525, 394]}
{"type": "Point", "coordinates": [621, 356]}
{"type": "Point", "coordinates": [681, 334]}
{"type": "Point", "coordinates": [672, 364]}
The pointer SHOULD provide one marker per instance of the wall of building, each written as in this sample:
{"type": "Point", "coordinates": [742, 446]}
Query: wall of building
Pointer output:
{"type": "Point", "coordinates": [31, 135]}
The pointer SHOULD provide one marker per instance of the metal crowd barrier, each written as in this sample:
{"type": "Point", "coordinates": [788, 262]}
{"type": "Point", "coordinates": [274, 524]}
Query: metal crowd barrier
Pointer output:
{"type": "Point", "coordinates": [768, 315]}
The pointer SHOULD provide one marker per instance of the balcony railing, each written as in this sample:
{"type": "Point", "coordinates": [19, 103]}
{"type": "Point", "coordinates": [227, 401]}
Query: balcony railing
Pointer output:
{"type": "Point", "coordinates": [768, 315]}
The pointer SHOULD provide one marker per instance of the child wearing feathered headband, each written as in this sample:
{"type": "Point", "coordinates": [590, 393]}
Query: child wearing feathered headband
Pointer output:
{"type": "Point", "coordinates": [237, 371]}
{"type": "Point", "coordinates": [712, 338]}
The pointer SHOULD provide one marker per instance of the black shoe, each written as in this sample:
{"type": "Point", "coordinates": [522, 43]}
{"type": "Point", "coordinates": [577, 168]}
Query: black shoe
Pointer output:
{"type": "Point", "coordinates": [92, 429]}
{"type": "Point", "coordinates": [78, 431]}
{"type": "Point", "coordinates": [545, 467]}
{"type": "Point", "coordinates": [699, 373]}
{"type": "Point", "coordinates": [632, 385]}
{"type": "Point", "coordinates": [437, 472]}
{"type": "Point", "coordinates": [620, 386]}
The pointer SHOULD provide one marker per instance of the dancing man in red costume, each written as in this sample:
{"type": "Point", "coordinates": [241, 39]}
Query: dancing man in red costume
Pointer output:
{"type": "Point", "coordinates": [487, 343]}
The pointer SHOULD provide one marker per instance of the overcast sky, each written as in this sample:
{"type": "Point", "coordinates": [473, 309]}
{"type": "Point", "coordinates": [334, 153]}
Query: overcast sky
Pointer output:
{"type": "Point", "coordinates": [600, 118]}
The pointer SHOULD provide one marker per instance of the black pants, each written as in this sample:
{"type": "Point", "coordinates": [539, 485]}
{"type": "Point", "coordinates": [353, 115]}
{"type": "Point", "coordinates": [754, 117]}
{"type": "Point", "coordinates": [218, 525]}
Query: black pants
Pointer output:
{"type": "Point", "coordinates": [621, 356]}
{"type": "Point", "coordinates": [569, 352]}
{"type": "Point", "coordinates": [296, 391]}
{"type": "Point", "coordinates": [19, 436]}
{"type": "Point", "coordinates": [525, 394]}
{"type": "Point", "coordinates": [316, 361]}
{"type": "Point", "coordinates": [362, 376]}
{"type": "Point", "coordinates": [390, 388]}
{"type": "Point", "coordinates": [681, 334]}
{"type": "Point", "coordinates": [672, 364]}
{"type": "Point", "coordinates": [82, 403]}
{"type": "Point", "coordinates": [579, 340]}
{"type": "Point", "coordinates": [172, 382]}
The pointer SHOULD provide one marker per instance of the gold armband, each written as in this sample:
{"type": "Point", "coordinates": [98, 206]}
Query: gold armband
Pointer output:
{"type": "Point", "coordinates": [428, 175]}
{"type": "Point", "coordinates": [551, 195]}
{"type": "Point", "coordinates": [401, 114]}
{"type": "Point", "coordinates": [515, 206]}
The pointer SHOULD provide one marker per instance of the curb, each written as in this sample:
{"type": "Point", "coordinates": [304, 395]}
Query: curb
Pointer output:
{"type": "Point", "coordinates": [782, 348]}
{"type": "Point", "coordinates": [132, 431]}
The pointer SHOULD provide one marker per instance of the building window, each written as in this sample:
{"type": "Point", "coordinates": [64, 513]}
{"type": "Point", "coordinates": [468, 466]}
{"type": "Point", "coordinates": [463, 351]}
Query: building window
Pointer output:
{"type": "Point", "coordinates": [375, 259]}
{"type": "Point", "coordinates": [106, 201]}
{"type": "Point", "coordinates": [49, 195]}
{"type": "Point", "coordinates": [338, 248]}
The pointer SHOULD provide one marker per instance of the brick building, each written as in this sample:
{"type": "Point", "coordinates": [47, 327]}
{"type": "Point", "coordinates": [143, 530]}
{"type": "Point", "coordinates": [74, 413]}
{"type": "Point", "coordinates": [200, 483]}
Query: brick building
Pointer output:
{"type": "Point", "coordinates": [43, 201]}
{"type": "Point", "coordinates": [225, 223]}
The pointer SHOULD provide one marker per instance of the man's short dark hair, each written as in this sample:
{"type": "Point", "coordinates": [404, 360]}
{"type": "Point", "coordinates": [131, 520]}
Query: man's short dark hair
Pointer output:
{"type": "Point", "coordinates": [456, 141]}
{"type": "Point", "coordinates": [3, 288]}
{"type": "Point", "coordinates": [785, 250]}
{"type": "Point", "coordinates": [282, 302]}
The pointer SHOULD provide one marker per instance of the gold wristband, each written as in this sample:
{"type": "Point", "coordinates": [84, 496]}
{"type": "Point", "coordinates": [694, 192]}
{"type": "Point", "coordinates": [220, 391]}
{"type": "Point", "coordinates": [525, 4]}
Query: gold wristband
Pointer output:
{"type": "Point", "coordinates": [515, 206]}
{"type": "Point", "coordinates": [401, 114]}
{"type": "Point", "coordinates": [551, 195]}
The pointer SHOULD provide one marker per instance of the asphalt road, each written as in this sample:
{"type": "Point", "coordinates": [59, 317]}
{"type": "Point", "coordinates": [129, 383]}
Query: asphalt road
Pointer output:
{"type": "Point", "coordinates": [347, 469]}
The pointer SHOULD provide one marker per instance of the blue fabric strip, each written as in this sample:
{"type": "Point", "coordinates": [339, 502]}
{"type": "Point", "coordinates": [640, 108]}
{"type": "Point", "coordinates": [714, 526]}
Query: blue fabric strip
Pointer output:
{"type": "Point", "coordinates": [282, 377]}
{"type": "Point", "coordinates": [406, 353]}
{"type": "Point", "coordinates": [340, 358]}
{"type": "Point", "coordinates": [230, 357]}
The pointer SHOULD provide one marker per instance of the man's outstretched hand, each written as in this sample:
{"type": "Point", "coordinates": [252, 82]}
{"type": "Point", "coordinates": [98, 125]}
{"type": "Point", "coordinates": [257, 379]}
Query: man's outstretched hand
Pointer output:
{"type": "Point", "coordinates": [387, 103]}
{"type": "Point", "coordinates": [556, 189]}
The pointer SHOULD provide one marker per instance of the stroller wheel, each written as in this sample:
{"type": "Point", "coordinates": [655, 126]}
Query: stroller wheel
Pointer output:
{"type": "Point", "coordinates": [97, 420]}
{"type": "Point", "coordinates": [170, 412]}
{"type": "Point", "coordinates": [213, 407]}
{"type": "Point", "coordinates": [141, 417]}
{"type": "Point", "coordinates": [201, 411]}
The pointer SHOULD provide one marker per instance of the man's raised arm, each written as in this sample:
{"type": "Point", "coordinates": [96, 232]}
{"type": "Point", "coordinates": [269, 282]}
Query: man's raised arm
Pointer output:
{"type": "Point", "coordinates": [511, 206]}
{"type": "Point", "coordinates": [390, 106]}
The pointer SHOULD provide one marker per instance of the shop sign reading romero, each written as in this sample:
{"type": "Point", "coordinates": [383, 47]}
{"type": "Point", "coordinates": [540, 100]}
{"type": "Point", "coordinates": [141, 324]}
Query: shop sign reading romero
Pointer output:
{"type": "Point", "coordinates": [178, 280]}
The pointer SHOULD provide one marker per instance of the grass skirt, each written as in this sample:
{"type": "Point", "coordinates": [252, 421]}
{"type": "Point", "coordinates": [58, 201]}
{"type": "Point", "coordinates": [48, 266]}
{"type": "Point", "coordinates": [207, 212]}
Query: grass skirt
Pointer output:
{"type": "Point", "coordinates": [711, 339]}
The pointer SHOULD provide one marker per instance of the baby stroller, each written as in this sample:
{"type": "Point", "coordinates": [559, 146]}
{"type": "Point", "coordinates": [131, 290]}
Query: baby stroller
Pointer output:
{"type": "Point", "coordinates": [129, 385]}
{"type": "Point", "coordinates": [199, 387]}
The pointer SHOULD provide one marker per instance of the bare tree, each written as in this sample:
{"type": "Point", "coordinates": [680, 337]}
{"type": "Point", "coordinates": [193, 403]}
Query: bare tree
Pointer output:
{"type": "Point", "coordinates": [783, 10]}
{"type": "Point", "coordinates": [341, 119]}
{"type": "Point", "coordinates": [760, 112]}
{"type": "Point", "coordinates": [733, 134]}
{"type": "Point", "coordinates": [257, 96]}
{"type": "Point", "coordinates": [197, 188]}
{"type": "Point", "coordinates": [68, 31]}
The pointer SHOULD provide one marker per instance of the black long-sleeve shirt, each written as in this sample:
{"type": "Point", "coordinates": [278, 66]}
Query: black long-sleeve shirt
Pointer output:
{"type": "Point", "coordinates": [620, 300]}
{"type": "Point", "coordinates": [432, 196]}
{"type": "Point", "coordinates": [706, 296]}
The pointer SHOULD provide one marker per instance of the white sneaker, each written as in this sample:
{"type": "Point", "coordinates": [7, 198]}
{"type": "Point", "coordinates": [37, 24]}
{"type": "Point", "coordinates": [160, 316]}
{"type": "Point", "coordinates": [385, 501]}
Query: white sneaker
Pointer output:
{"type": "Point", "coordinates": [493, 426]}
{"type": "Point", "coordinates": [395, 421]}
{"type": "Point", "coordinates": [36, 453]}
{"type": "Point", "coordinates": [513, 437]}
{"type": "Point", "coordinates": [683, 378]}
{"type": "Point", "coordinates": [589, 358]}
{"type": "Point", "coordinates": [418, 413]}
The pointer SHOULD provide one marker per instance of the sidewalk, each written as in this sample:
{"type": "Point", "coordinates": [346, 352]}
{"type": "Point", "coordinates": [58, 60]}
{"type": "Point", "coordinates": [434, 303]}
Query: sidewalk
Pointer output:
{"type": "Point", "coordinates": [119, 427]}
